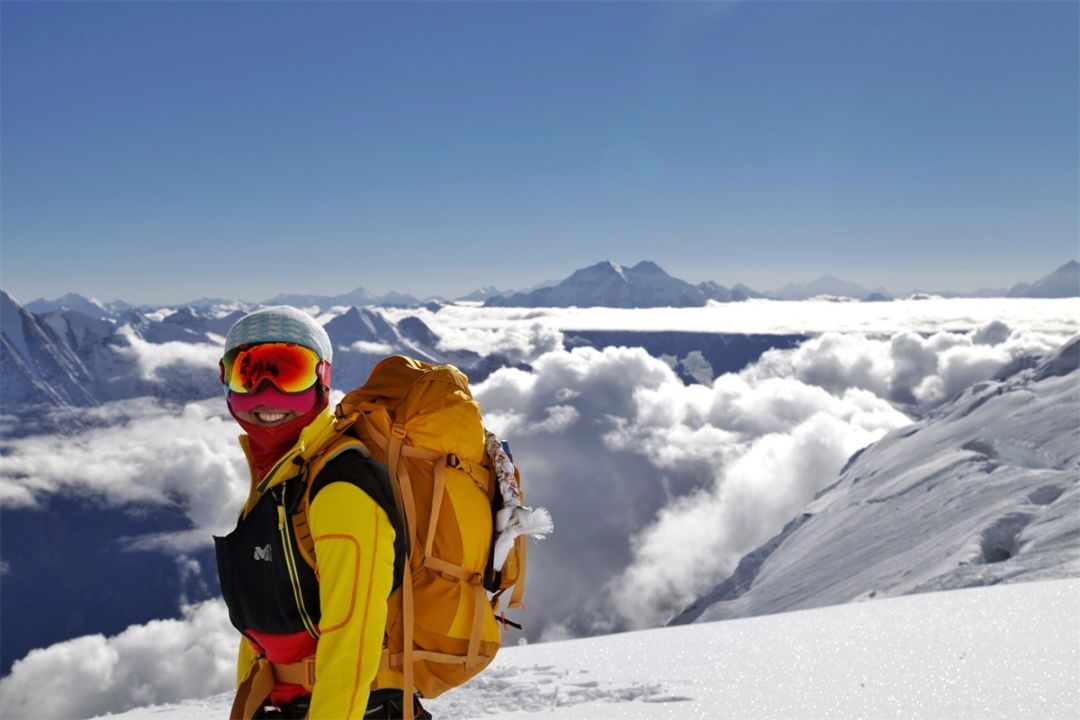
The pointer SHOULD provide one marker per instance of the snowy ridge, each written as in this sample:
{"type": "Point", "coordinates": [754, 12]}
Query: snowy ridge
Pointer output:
{"type": "Point", "coordinates": [71, 301]}
{"type": "Point", "coordinates": [985, 489]}
{"type": "Point", "coordinates": [57, 362]}
{"type": "Point", "coordinates": [363, 336]}
{"type": "Point", "coordinates": [1002, 652]}
{"type": "Point", "coordinates": [37, 364]}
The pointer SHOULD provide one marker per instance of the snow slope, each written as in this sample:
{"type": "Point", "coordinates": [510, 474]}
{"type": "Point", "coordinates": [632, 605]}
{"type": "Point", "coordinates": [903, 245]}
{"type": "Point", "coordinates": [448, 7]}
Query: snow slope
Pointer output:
{"type": "Point", "coordinates": [985, 489]}
{"type": "Point", "coordinates": [1002, 652]}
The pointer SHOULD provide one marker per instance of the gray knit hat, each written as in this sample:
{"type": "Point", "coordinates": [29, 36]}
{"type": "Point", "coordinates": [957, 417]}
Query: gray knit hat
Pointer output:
{"type": "Point", "coordinates": [281, 323]}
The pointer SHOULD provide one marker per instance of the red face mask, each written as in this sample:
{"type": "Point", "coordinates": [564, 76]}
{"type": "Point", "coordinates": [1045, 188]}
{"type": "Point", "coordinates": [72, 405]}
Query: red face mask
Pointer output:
{"type": "Point", "coordinates": [268, 444]}
{"type": "Point", "coordinates": [271, 397]}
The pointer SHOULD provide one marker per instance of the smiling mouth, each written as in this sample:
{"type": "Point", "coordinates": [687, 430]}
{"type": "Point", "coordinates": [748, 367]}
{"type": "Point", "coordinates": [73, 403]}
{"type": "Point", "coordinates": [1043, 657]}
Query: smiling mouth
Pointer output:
{"type": "Point", "coordinates": [270, 417]}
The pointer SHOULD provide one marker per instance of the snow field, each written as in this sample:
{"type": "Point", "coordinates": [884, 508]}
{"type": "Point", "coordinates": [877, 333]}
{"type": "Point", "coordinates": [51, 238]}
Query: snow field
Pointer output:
{"type": "Point", "coordinates": [1008, 651]}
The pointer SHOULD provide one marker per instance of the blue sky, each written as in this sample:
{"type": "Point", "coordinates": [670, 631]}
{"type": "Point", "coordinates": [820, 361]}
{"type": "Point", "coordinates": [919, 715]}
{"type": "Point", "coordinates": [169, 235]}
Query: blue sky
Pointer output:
{"type": "Point", "coordinates": [159, 152]}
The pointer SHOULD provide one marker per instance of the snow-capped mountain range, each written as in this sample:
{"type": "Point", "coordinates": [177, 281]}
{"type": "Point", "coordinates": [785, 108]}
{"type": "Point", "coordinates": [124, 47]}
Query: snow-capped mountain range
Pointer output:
{"type": "Point", "coordinates": [358, 297]}
{"type": "Point", "coordinates": [62, 360]}
{"type": "Point", "coordinates": [606, 284]}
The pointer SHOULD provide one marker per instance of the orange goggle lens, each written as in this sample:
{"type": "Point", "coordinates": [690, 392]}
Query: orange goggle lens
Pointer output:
{"type": "Point", "coordinates": [292, 368]}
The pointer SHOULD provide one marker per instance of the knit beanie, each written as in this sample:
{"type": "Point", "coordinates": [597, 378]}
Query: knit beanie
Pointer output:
{"type": "Point", "coordinates": [280, 323]}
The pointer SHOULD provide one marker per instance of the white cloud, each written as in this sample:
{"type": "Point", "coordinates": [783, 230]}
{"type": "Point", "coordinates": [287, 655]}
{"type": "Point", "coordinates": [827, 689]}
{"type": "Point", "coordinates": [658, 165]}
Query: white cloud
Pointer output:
{"type": "Point", "coordinates": [519, 335]}
{"type": "Point", "coordinates": [698, 539]}
{"type": "Point", "coordinates": [907, 368]}
{"type": "Point", "coordinates": [152, 358]}
{"type": "Point", "coordinates": [371, 348]}
{"type": "Point", "coordinates": [13, 495]}
{"type": "Point", "coordinates": [658, 488]}
{"type": "Point", "coordinates": [162, 661]}
{"type": "Point", "coordinates": [160, 314]}
{"type": "Point", "coordinates": [1058, 317]}
{"type": "Point", "coordinates": [519, 343]}
{"type": "Point", "coordinates": [144, 452]}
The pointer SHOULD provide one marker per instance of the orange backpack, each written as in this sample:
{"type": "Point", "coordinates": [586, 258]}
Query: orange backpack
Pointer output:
{"type": "Point", "coordinates": [460, 499]}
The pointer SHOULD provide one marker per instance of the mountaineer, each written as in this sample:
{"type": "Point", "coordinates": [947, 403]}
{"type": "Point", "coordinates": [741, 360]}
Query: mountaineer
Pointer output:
{"type": "Point", "coordinates": [369, 561]}
{"type": "Point", "coordinates": [276, 372]}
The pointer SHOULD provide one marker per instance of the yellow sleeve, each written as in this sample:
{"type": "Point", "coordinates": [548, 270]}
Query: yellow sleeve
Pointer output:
{"type": "Point", "coordinates": [354, 553]}
{"type": "Point", "coordinates": [244, 658]}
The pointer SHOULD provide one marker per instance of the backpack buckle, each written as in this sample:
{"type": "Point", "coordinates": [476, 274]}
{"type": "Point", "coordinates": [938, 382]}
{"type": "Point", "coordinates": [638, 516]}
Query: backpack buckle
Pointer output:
{"type": "Point", "coordinates": [309, 673]}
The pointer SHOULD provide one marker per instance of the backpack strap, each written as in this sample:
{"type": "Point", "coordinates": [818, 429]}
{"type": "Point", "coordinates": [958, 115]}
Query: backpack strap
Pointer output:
{"type": "Point", "coordinates": [253, 691]}
{"type": "Point", "coordinates": [299, 517]}
{"type": "Point", "coordinates": [262, 676]}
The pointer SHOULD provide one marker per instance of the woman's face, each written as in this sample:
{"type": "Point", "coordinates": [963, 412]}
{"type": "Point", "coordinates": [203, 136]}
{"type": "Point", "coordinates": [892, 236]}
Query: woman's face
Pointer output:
{"type": "Point", "coordinates": [270, 407]}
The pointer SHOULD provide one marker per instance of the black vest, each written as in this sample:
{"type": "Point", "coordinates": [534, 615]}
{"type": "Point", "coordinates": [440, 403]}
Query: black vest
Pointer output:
{"type": "Point", "coordinates": [265, 581]}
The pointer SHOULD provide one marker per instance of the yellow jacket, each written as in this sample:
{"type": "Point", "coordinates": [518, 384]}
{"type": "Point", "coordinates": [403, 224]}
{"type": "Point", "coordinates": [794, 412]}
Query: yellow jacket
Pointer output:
{"type": "Point", "coordinates": [282, 606]}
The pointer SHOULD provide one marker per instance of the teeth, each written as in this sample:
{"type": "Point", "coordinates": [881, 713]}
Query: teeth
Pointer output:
{"type": "Point", "coordinates": [270, 417]}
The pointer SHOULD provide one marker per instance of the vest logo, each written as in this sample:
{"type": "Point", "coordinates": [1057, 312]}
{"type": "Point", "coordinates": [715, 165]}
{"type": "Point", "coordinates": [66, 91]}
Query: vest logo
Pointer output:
{"type": "Point", "coordinates": [263, 553]}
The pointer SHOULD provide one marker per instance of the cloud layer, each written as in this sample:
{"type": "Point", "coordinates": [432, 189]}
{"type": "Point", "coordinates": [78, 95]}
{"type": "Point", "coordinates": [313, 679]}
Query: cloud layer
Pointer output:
{"type": "Point", "coordinates": [162, 661]}
{"type": "Point", "coordinates": [908, 368]}
{"type": "Point", "coordinates": [153, 358]}
{"type": "Point", "coordinates": [139, 452]}
{"type": "Point", "coordinates": [518, 342]}
{"type": "Point", "coordinates": [658, 487]}
{"type": "Point", "coordinates": [1059, 317]}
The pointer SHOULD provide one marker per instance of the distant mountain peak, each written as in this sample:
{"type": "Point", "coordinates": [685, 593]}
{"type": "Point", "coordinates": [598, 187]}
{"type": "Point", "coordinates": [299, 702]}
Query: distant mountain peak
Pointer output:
{"type": "Point", "coordinates": [828, 285]}
{"type": "Point", "coordinates": [648, 267]}
{"type": "Point", "coordinates": [90, 307]}
{"type": "Point", "coordinates": [357, 297]}
{"type": "Point", "coordinates": [604, 266]}
{"type": "Point", "coordinates": [1063, 282]}
{"type": "Point", "coordinates": [609, 284]}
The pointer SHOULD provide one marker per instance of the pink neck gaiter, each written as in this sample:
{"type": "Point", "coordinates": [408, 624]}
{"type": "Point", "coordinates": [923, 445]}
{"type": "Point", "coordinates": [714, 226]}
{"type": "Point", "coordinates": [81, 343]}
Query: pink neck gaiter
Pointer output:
{"type": "Point", "coordinates": [268, 444]}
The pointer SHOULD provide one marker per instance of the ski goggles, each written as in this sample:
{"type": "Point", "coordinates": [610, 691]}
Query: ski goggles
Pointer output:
{"type": "Point", "coordinates": [290, 368]}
